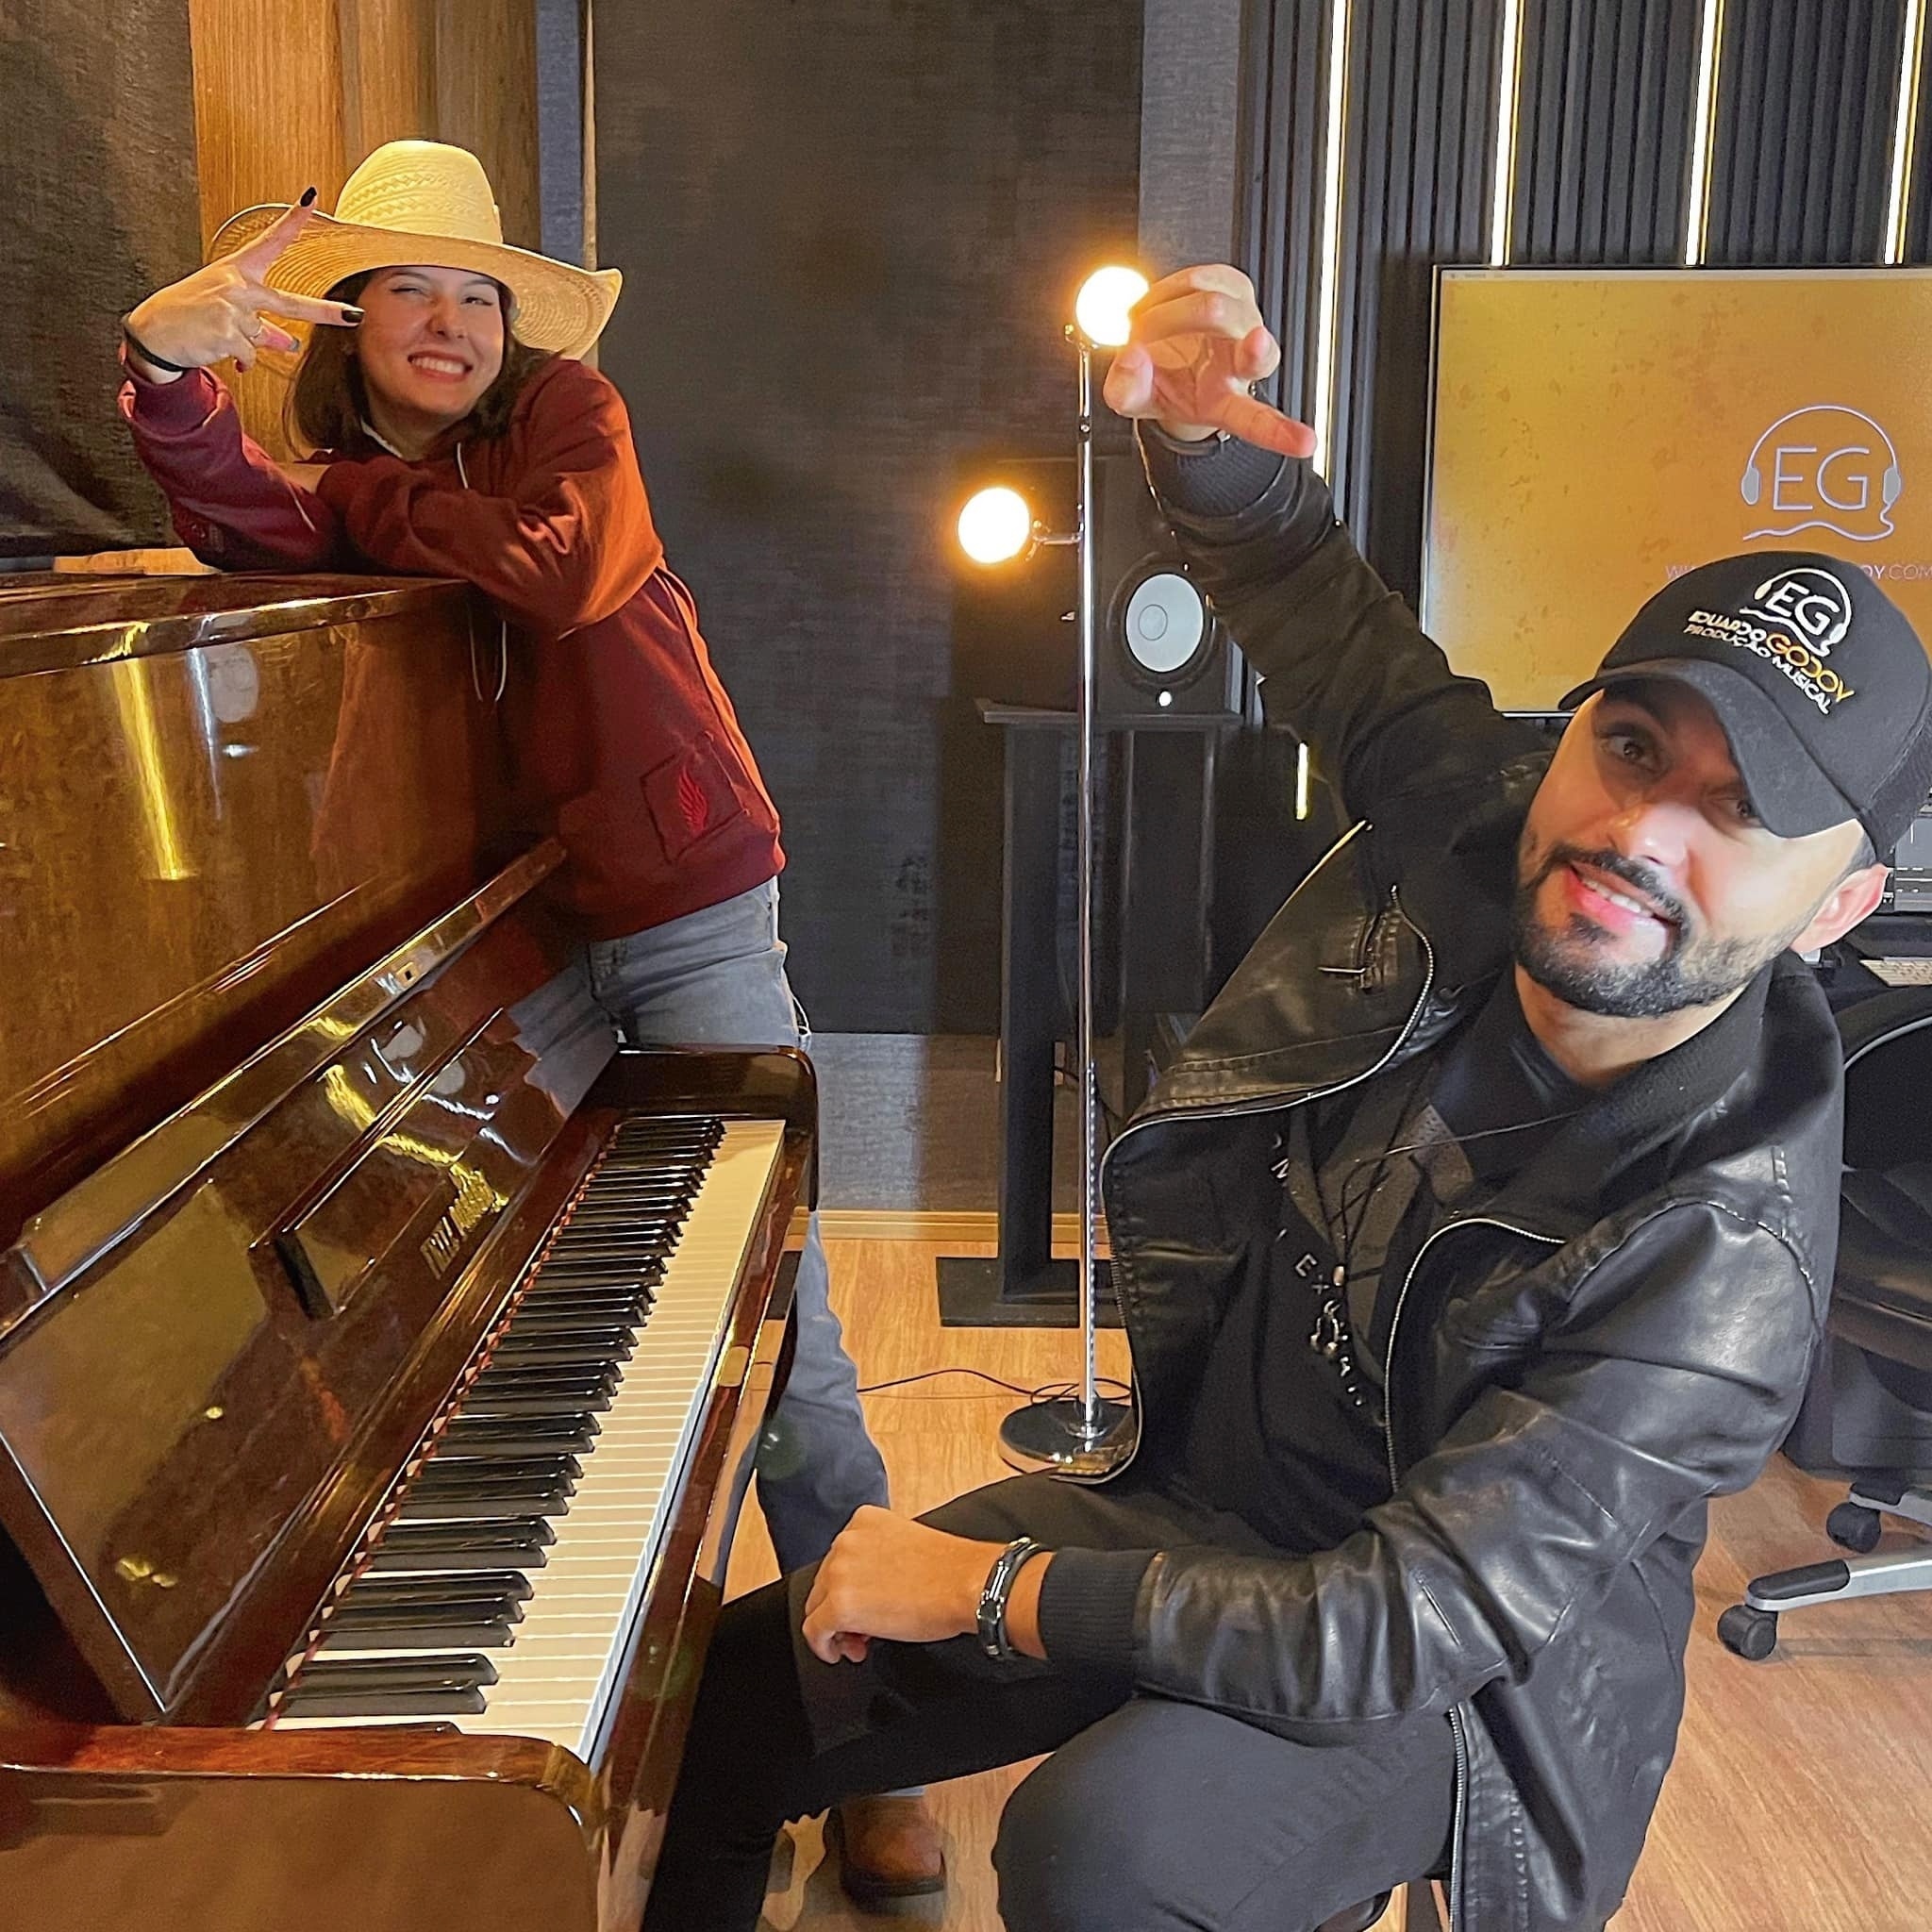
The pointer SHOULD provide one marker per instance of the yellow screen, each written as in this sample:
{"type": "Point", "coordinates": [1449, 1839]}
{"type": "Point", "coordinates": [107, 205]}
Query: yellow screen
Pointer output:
{"type": "Point", "coordinates": [1597, 432]}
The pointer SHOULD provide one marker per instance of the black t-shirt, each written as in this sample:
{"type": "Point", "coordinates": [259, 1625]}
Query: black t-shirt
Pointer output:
{"type": "Point", "coordinates": [1287, 1432]}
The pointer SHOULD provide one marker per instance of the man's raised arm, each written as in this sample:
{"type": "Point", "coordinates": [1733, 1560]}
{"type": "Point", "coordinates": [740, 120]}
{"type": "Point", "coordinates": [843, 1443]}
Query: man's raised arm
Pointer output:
{"type": "Point", "coordinates": [1346, 664]}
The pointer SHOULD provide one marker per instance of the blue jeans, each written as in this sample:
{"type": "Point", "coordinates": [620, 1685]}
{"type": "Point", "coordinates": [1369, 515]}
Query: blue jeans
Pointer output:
{"type": "Point", "coordinates": [717, 977]}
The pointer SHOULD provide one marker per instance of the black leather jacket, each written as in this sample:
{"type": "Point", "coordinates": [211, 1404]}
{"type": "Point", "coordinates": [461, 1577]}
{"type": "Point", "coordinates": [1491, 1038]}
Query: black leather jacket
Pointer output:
{"type": "Point", "coordinates": [1574, 1372]}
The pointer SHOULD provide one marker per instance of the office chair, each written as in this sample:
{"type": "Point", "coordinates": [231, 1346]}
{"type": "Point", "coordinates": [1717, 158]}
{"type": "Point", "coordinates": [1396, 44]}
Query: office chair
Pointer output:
{"type": "Point", "coordinates": [1880, 1328]}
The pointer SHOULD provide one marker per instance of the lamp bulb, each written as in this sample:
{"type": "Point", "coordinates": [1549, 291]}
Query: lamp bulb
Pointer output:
{"type": "Point", "coordinates": [1102, 307]}
{"type": "Point", "coordinates": [995, 525]}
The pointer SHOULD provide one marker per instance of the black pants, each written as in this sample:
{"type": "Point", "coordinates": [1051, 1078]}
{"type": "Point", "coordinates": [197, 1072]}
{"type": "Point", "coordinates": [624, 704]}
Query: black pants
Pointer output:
{"type": "Point", "coordinates": [1149, 1815]}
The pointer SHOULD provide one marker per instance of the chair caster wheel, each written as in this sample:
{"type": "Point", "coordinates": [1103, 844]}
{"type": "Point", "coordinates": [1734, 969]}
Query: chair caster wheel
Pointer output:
{"type": "Point", "coordinates": [1748, 1633]}
{"type": "Point", "coordinates": [1852, 1527]}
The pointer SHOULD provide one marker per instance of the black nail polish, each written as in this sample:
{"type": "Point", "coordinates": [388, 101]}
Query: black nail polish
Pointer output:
{"type": "Point", "coordinates": [308, 197]}
{"type": "Point", "coordinates": [351, 315]}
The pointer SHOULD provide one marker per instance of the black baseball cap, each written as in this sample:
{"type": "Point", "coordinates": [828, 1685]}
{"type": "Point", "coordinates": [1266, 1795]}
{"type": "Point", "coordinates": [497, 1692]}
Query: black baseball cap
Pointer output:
{"type": "Point", "coordinates": [1821, 686]}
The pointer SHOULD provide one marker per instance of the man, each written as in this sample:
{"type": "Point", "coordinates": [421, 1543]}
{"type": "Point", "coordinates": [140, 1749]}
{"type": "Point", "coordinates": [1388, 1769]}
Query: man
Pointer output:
{"type": "Point", "coordinates": [1482, 1232]}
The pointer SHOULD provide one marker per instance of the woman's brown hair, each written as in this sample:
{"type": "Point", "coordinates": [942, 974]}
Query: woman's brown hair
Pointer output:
{"type": "Point", "coordinates": [327, 403]}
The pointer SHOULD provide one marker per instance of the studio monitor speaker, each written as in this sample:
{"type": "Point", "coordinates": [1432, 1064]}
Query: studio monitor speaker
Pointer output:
{"type": "Point", "coordinates": [1162, 652]}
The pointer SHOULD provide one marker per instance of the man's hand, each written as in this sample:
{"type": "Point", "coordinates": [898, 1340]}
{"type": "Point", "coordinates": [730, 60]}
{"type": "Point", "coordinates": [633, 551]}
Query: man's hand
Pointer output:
{"type": "Point", "coordinates": [889, 1576]}
{"type": "Point", "coordinates": [1197, 342]}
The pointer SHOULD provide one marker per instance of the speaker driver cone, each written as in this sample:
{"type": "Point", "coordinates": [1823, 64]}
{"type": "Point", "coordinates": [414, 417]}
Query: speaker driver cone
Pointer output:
{"type": "Point", "coordinates": [1163, 626]}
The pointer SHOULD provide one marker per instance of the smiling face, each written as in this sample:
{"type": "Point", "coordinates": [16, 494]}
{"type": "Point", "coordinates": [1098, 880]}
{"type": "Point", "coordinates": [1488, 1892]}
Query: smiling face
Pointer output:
{"type": "Point", "coordinates": [1646, 883]}
{"type": "Point", "coordinates": [431, 341]}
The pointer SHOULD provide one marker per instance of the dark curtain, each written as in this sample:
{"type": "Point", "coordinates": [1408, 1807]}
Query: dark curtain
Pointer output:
{"type": "Point", "coordinates": [98, 185]}
{"type": "Point", "coordinates": [849, 233]}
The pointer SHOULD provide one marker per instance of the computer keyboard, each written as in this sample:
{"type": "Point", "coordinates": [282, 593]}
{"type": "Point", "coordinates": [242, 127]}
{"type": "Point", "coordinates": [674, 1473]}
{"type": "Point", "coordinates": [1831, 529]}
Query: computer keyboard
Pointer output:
{"type": "Point", "coordinates": [1901, 972]}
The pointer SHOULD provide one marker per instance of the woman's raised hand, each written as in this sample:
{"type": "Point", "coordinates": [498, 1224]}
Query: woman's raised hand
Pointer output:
{"type": "Point", "coordinates": [1197, 343]}
{"type": "Point", "coordinates": [221, 312]}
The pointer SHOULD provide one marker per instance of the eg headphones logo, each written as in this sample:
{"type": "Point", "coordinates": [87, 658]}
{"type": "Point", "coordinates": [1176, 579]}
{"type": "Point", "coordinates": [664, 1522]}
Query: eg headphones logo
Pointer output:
{"type": "Point", "coordinates": [1810, 601]}
{"type": "Point", "coordinates": [1824, 467]}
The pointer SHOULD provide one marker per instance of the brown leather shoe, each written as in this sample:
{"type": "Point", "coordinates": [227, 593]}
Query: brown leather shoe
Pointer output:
{"type": "Point", "coordinates": [888, 1848]}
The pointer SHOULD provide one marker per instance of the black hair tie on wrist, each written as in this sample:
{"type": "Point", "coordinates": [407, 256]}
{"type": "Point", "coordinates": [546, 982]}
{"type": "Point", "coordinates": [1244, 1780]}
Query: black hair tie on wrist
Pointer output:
{"type": "Point", "coordinates": [148, 356]}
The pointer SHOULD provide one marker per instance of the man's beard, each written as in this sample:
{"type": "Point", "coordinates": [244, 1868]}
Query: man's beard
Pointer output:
{"type": "Point", "coordinates": [1574, 962]}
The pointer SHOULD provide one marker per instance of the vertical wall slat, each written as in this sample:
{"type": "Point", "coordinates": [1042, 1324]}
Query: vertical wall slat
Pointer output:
{"type": "Point", "coordinates": [1801, 162]}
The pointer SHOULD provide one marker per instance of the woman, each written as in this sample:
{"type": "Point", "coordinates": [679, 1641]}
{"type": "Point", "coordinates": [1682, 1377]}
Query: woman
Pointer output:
{"type": "Point", "coordinates": [456, 434]}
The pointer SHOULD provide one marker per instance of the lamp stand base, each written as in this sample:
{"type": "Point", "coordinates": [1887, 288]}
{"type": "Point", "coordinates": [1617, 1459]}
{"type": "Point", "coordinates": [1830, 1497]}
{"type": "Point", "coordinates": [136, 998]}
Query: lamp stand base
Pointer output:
{"type": "Point", "coordinates": [1056, 1435]}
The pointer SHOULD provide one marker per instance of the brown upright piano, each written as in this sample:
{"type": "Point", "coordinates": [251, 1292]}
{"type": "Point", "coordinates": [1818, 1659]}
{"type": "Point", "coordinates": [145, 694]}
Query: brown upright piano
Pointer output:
{"type": "Point", "coordinates": [382, 1349]}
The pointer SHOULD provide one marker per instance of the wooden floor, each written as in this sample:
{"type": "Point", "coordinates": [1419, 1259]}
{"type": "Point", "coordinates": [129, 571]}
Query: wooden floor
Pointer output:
{"type": "Point", "coordinates": [1801, 1799]}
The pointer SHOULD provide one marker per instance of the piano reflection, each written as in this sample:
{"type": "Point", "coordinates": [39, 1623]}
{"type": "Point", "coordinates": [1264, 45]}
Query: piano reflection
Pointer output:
{"type": "Point", "coordinates": [382, 1349]}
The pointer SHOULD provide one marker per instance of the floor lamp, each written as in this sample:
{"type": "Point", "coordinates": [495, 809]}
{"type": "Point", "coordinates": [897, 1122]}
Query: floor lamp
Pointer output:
{"type": "Point", "coordinates": [1079, 1434]}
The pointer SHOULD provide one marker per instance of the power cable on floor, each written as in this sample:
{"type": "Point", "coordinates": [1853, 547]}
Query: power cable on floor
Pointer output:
{"type": "Point", "coordinates": [1051, 1392]}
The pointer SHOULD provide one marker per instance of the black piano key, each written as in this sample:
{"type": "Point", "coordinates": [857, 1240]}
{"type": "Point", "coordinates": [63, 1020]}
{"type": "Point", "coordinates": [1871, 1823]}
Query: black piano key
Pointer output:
{"type": "Point", "coordinates": [624, 1306]}
{"type": "Point", "coordinates": [540, 1320]}
{"type": "Point", "coordinates": [586, 1329]}
{"type": "Point", "coordinates": [560, 1354]}
{"type": "Point", "coordinates": [534, 1378]}
{"type": "Point", "coordinates": [477, 1483]}
{"type": "Point", "coordinates": [664, 1193]}
{"type": "Point", "coordinates": [495, 1507]}
{"type": "Point", "coordinates": [664, 1132]}
{"type": "Point", "coordinates": [657, 1193]}
{"type": "Point", "coordinates": [461, 1546]}
{"type": "Point", "coordinates": [663, 1178]}
{"type": "Point", "coordinates": [567, 1433]}
{"type": "Point", "coordinates": [646, 1271]}
{"type": "Point", "coordinates": [463, 1606]}
{"type": "Point", "coordinates": [373, 1588]}
{"type": "Point", "coordinates": [395, 1673]}
{"type": "Point", "coordinates": [512, 1400]}
{"type": "Point", "coordinates": [526, 1435]}
{"type": "Point", "coordinates": [460, 1463]}
{"type": "Point", "coordinates": [605, 1267]}
{"type": "Point", "coordinates": [640, 1205]}
{"type": "Point", "coordinates": [636, 1240]}
{"type": "Point", "coordinates": [389, 1686]}
{"type": "Point", "coordinates": [429, 1634]}
{"type": "Point", "coordinates": [656, 1223]}
{"type": "Point", "coordinates": [590, 1281]}
{"type": "Point", "coordinates": [567, 1291]}
{"type": "Point", "coordinates": [611, 1248]}
{"type": "Point", "coordinates": [578, 1332]}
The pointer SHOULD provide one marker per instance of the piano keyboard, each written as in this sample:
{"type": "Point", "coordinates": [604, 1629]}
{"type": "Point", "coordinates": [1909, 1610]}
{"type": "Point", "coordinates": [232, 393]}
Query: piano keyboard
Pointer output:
{"type": "Point", "coordinates": [500, 1592]}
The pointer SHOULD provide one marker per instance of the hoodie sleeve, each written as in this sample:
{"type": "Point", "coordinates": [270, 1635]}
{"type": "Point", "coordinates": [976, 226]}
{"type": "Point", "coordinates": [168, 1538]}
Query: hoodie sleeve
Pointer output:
{"type": "Point", "coordinates": [564, 542]}
{"type": "Point", "coordinates": [231, 505]}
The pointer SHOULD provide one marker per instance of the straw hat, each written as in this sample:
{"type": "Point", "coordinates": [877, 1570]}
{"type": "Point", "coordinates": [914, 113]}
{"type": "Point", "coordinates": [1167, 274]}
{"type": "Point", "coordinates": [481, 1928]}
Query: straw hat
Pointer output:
{"type": "Point", "coordinates": [412, 191]}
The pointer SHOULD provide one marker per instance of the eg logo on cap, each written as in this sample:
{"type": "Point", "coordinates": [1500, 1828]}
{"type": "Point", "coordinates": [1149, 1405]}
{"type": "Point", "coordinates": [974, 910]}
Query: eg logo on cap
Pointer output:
{"type": "Point", "coordinates": [1824, 467]}
{"type": "Point", "coordinates": [1809, 601]}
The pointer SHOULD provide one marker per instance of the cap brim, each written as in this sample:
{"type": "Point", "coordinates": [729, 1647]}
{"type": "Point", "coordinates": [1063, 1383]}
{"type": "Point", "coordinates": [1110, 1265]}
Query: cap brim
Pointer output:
{"type": "Point", "coordinates": [1790, 794]}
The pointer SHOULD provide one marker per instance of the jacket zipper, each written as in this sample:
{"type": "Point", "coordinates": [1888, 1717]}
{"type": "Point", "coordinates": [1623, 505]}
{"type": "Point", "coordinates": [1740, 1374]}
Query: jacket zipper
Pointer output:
{"type": "Point", "coordinates": [1461, 1814]}
{"type": "Point", "coordinates": [1277, 1105]}
{"type": "Point", "coordinates": [1456, 1716]}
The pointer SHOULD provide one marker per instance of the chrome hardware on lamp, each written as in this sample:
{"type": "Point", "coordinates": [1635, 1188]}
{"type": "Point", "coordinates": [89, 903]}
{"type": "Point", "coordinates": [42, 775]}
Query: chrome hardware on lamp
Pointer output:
{"type": "Point", "coordinates": [1081, 1435]}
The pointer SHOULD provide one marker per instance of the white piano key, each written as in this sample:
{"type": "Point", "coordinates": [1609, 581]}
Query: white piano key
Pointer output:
{"type": "Point", "coordinates": [556, 1677]}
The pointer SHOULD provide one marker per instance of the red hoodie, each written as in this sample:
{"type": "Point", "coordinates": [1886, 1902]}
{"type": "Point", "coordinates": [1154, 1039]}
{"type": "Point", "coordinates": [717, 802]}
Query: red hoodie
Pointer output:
{"type": "Point", "coordinates": [624, 740]}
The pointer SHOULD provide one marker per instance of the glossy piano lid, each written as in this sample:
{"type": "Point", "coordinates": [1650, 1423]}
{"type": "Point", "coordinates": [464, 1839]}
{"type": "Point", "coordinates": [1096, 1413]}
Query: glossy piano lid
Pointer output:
{"type": "Point", "coordinates": [60, 623]}
{"type": "Point", "coordinates": [222, 797]}
{"type": "Point", "coordinates": [189, 1432]}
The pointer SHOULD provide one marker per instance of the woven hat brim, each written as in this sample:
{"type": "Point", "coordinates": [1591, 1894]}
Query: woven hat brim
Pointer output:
{"type": "Point", "coordinates": [558, 306]}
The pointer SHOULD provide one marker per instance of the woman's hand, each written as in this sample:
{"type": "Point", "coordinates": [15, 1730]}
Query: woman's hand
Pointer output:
{"type": "Point", "coordinates": [303, 476]}
{"type": "Point", "coordinates": [889, 1576]}
{"type": "Point", "coordinates": [221, 312]}
{"type": "Point", "coordinates": [1197, 343]}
